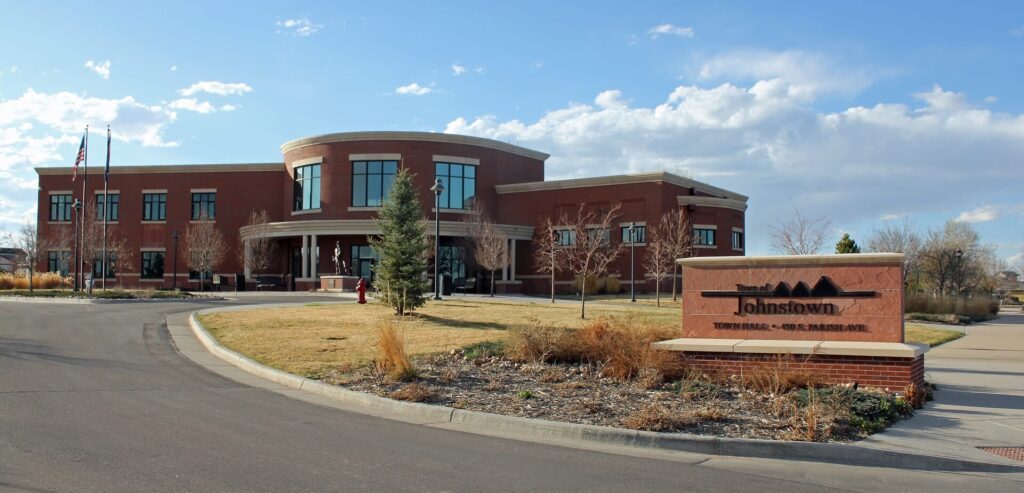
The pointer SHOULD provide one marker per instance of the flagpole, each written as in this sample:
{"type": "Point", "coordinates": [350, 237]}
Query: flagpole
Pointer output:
{"type": "Point", "coordinates": [85, 208]}
{"type": "Point", "coordinates": [106, 213]}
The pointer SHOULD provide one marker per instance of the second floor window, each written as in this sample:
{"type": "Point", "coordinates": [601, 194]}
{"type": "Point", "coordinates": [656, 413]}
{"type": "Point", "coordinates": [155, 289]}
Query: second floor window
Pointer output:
{"type": "Point", "coordinates": [100, 206]}
{"type": "Point", "coordinates": [639, 234]}
{"type": "Point", "coordinates": [704, 236]}
{"type": "Point", "coordinates": [565, 237]}
{"type": "Point", "coordinates": [60, 207]}
{"type": "Point", "coordinates": [459, 182]}
{"type": "Point", "coordinates": [204, 206]}
{"type": "Point", "coordinates": [306, 188]}
{"type": "Point", "coordinates": [154, 207]}
{"type": "Point", "coordinates": [737, 240]}
{"type": "Point", "coordinates": [371, 182]}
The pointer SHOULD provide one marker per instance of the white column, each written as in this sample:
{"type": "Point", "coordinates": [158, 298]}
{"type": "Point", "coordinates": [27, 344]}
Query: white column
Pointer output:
{"type": "Point", "coordinates": [512, 259]}
{"type": "Point", "coordinates": [314, 259]}
{"type": "Point", "coordinates": [305, 256]}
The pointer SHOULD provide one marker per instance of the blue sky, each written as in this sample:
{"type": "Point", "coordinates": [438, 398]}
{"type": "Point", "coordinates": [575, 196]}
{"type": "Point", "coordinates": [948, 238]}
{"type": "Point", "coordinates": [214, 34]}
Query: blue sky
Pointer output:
{"type": "Point", "coordinates": [862, 112]}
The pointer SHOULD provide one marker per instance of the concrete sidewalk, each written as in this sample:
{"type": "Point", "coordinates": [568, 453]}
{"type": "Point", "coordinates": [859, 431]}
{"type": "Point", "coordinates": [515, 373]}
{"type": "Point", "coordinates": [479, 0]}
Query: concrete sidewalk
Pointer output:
{"type": "Point", "coordinates": [980, 396]}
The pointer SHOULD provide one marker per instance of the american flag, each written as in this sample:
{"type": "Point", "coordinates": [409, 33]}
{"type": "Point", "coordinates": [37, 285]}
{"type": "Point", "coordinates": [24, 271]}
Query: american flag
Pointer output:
{"type": "Point", "coordinates": [79, 159]}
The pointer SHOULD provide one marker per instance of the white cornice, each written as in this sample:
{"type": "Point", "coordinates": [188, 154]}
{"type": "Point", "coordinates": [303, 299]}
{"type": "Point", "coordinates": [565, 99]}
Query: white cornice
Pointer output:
{"type": "Point", "coordinates": [370, 227]}
{"type": "Point", "coordinates": [168, 168]}
{"type": "Point", "coordinates": [712, 202]}
{"type": "Point", "coordinates": [416, 136]}
{"type": "Point", "coordinates": [601, 181]}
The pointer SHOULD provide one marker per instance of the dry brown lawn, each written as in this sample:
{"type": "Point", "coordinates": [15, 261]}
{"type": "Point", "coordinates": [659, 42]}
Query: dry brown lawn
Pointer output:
{"type": "Point", "coordinates": [309, 340]}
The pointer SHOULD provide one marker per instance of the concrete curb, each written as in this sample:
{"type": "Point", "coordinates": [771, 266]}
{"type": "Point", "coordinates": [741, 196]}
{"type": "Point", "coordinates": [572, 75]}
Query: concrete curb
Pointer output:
{"type": "Point", "coordinates": [530, 429]}
{"type": "Point", "coordinates": [100, 301]}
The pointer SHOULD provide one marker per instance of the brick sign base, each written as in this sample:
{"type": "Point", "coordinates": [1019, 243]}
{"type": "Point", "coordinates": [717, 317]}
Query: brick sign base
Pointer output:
{"type": "Point", "coordinates": [872, 371]}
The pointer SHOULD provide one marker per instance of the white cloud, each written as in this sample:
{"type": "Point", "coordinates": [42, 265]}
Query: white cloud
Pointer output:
{"type": "Point", "coordinates": [670, 30]}
{"type": "Point", "coordinates": [192, 104]}
{"type": "Point", "coordinates": [101, 68]}
{"type": "Point", "coordinates": [413, 89]}
{"type": "Point", "coordinates": [174, 68]}
{"type": "Point", "coordinates": [458, 69]}
{"type": "Point", "coordinates": [891, 217]}
{"type": "Point", "coordinates": [298, 27]}
{"type": "Point", "coordinates": [216, 87]}
{"type": "Point", "coordinates": [1016, 261]}
{"type": "Point", "coordinates": [765, 140]}
{"type": "Point", "coordinates": [807, 73]}
{"type": "Point", "coordinates": [980, 215]}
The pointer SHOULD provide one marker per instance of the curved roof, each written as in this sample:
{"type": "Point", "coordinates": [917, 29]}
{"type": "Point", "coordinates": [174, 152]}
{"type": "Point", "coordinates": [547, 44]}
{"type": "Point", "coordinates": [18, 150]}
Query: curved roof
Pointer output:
{"type": "Point", "coordinates": [417, 136]}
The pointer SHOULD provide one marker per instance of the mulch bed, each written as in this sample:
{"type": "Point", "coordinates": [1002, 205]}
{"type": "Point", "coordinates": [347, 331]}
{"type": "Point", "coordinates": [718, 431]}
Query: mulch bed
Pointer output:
{"type": "Point", "coordinates": [577, 393]}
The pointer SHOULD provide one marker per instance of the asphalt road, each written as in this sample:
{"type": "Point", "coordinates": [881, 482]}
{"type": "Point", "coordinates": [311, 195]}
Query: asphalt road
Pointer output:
{"type": "Point", "coordinates": [97, 398]}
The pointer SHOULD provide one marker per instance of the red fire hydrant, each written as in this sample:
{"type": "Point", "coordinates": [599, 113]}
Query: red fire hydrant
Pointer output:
{"type": "Point", "coordinates": [361, 289]}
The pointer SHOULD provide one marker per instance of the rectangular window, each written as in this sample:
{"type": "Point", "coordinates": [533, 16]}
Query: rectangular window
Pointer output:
{"type": "Point", "coordinates": [60, 207]}
{"type": "Point", "coordinates": [154, 207]}
{"type": "Point", "coordinates": [194, 275]}
{"type": "Point", "coordinates": [204, 206]}
{"type": "Point", "coordinates": [363, 259]}
{"type": "Point", "coordinates": [566, 237]}
{"type": "Point", "coordinates": [703, 236]}
{"type": "Point", "coordinates": [452, 262]}
{"type": "Point", "coordinates": [112, 214]}
{"type": "Point", "coordinates": [602, 234]}
{"type": "Point", "coordinates": [737, 240]}
{"type": "Point", "coordinates": [58, 262]}
{"type": "Point", "coordinates": [459, 181]}
{"type": "Point", "coordinates": [152, 265]}
{"type": "Point", "coordinates": [306, 188]}
{"type": "Point", "coordinates": [639, 234]}
{"type": "Point", "coordinates": [97, 266]}
{"type": "Point", "coordinates": [371, 182]}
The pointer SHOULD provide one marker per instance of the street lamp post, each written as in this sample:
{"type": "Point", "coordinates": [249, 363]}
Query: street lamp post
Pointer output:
{"type": "Point", "coordinates": [437, 189]}
{"type": "Point", "coordinates": [77, 206]}
{"type": "Point", "coordinates": [632, 262]}
{"type": "Point", "coordinates": [959, 274]}
{"type": "Point", "coordinates": [174, 278]}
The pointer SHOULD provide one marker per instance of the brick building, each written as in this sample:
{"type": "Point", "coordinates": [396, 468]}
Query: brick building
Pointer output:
{"type": "Point", "coordinates": [326, 194]}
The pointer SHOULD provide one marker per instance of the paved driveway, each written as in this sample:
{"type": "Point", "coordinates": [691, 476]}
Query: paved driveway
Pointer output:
{"type": "Point", "coordinates": [97, 398]}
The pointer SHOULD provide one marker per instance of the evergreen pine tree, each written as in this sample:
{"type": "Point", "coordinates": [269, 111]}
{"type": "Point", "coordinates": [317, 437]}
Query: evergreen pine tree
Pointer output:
{"type": "Point", "coordinates": [847, 245]}
{"type": "Point", "coordinates": [400, 279]}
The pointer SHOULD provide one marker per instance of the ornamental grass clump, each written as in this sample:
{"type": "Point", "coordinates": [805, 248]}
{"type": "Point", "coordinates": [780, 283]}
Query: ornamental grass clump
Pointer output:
{"type": "Point", "coordinates": [44, 280]}
{"type": "Point", "coordinates": [392, 358]}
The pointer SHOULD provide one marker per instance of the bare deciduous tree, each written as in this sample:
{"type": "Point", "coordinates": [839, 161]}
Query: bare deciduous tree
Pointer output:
{"type": "Point", "coordinates": [490, 247]}
{"type": "Point", "coordinates": [204, 248]}
{"type": "Point", "coordinates": [675, 231]}
{"type": "Point", "coordinates": [591, 249]}
{"type": "Point", "coordinates": [658, 260]}
{"type": "Point", "coordinates": [122, 256]}
{"type": "Point", "coordinates": [32, 247]}
{"type": "Point", "coordinates": [547, 253]}
{"type": "Point", "coordinates": [257, 253]}
{"type": "Point", "coordinates": [800, 235]}
{"type": "Point", "coordinates": [899, 238]}
{"type": "Point", "coordinates": [953, 260]}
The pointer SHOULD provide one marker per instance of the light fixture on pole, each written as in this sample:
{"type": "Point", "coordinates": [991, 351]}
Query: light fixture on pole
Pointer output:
{"type": "Point", "coordinates": [77, 206]}
{"type": "Point", "coordinates": [632, 262]}
{"type": "Point", "coordinates": [438, 188]}
{"type": "Point", "coordinates": [174, 279]}
{"type": "Point", "coordinates": [959, 274]}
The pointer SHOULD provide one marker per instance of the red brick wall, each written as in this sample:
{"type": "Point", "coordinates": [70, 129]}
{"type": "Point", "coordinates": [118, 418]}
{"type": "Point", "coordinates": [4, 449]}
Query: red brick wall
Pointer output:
{"type": "Point", "coordinates": [893, 373]}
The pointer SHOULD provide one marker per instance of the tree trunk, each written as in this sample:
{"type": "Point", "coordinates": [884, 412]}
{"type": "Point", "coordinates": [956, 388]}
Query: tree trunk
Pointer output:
{"type": "Point", "coordinates": [29, 279]}
{"type": "Point", "coordinates": [552, 283]}
{"type": "Point", "coordinates": [673, 282]}
{"type": "Point", "coordinates": [583, 298]}
{"type": "Point", "coordinates": [657, 292]}
{"type": "Point", "coordinates": [492, 284]}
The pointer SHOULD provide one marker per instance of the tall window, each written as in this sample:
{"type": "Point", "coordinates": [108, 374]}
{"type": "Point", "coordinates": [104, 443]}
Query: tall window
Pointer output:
{"type": "Point", "coordinates": [60, 207]}
{"type": "Point", "coordinates": [737, 240]}
{"type": "Point", "coordinates": [639, 234]}
{"type": "Point", "coordinates": [363, 258]}
{"type": "Point", "coordinates": [100, 206]}
{"type": "Point", "coordinates": [204, 206]}
{"type": "Point", "coordinates": [97, 266]}
{"type": "Point", "coordinates": [58, 262]}
{"type": "Point", "coordinates": [154, 207]}
{"type": "Point", "coordinates": [704, 236]}
{"type": "Point", "coordinates": [371, 182]}
{"type": "Point", "coordinates": [459, 182]}
{"type": "Point", "coordinates": [453, 261]}
{"type": "Point", "coordinates": [152, 265]}
{"type": "Point", "coordinates": [306, 188]}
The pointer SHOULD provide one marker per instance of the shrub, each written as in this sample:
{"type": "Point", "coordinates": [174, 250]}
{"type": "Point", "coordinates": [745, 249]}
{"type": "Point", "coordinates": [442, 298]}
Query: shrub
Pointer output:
{"type": "Point", "coordinates": [525, 394]}
{"type": "Point", "coordinates": [412, 392]}
{"type": "Point", "coordinates": [484, 349]}
{"type": "Point", "coordinates": [534, 343]}
{"type": "Point", "coordinates": [656, 417]}
{"type": "Point", "coordinates": [977, 308]}
{"type": "Point", "coordinates": [612, 285]}
{"type": "Point", "coordinates": [40, 280]}
{"type": "Point", "coordinates": [946, 318]}
{"type": "Point", "coordinates": [392, 358]}
{"type": "Point", "coordinates": [591, 285]}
